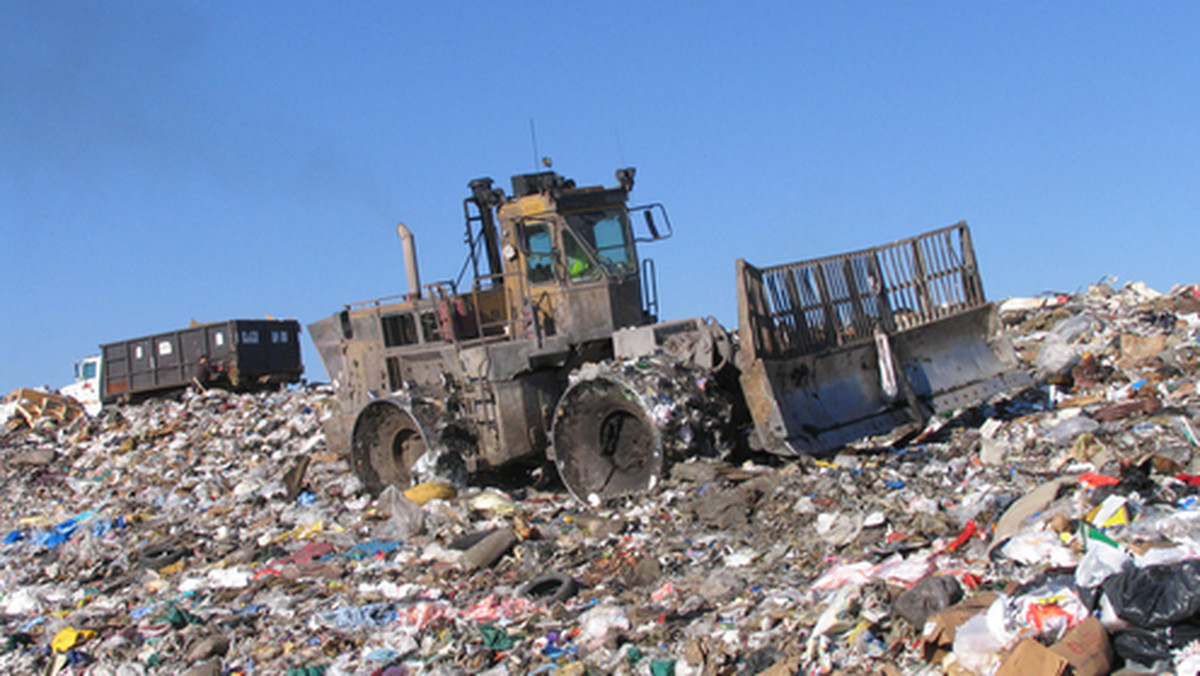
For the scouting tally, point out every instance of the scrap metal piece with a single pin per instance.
(293, 480)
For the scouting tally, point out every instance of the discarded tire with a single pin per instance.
(550, 588)
(160, 556)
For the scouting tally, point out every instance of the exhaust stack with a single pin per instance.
(410, 260)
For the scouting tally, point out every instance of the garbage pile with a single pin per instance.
(1056, 531)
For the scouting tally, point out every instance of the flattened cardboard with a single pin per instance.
(1027, 506)
(1031, 658)
(1086, 648)
(1083, 651)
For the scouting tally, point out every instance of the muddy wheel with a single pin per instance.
(620, 426)
(605, 442)
(387, 442)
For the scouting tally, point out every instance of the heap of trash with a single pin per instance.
(1057, 531)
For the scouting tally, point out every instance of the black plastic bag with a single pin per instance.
(932, 594)
(1154, 648)
(1156, 596)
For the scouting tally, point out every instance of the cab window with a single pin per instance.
(608, 234)
(579, 264)
(611, 243)
(539, 253)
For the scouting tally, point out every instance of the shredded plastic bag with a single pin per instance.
(976, 648)
(1187, 661)
(1046, 611)
(1099, 563)
(1039, 546)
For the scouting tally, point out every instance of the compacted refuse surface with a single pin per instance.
(1053, 531)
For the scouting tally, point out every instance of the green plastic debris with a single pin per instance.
(180, 618)
(496, 638)
(1092, 534)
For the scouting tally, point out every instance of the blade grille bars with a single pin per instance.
(810, 306)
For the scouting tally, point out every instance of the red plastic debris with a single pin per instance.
(969, 531)
(1093, 480)
(1045, 616)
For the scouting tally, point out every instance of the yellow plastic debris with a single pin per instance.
(69, 638)
(430, 490)
(1112, 512)
(303, 532)
(171, 569)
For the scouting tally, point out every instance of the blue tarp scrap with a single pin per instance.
(62, 532)
(369, 550)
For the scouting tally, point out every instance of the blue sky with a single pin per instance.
(164, 161)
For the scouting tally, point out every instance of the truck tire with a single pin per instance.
(619, 426)
(386, 443)
(401, 441)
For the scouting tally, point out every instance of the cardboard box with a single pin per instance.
(1083, 651)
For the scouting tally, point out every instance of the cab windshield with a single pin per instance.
(607, 234)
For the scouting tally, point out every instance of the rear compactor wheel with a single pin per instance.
(397, 441)
(619, 427)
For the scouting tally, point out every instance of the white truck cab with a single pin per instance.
(86, 388)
